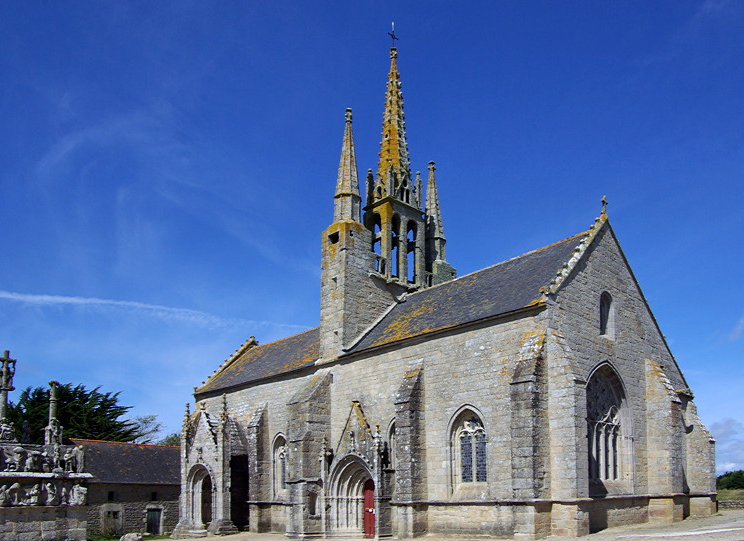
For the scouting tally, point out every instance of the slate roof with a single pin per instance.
(259, 362)
(500, 289)
(131, 463)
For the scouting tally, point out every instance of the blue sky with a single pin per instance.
(166, 169)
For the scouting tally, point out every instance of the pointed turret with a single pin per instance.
(347, 201)
(434, 225)
(436, 256)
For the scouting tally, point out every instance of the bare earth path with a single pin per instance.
(728, 525)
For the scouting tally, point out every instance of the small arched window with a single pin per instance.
(606, 316)
(389, 447)
(279, 459)
(468, 449)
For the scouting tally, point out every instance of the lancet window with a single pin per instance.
(468, 449)
(606, 316)
(279, 465)
(604, 402)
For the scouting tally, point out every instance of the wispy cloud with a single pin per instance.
(729, 435)
(194, 317)
(738, 330)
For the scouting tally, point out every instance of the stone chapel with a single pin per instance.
(531, 398)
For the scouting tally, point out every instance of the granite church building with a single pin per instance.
(534, 397)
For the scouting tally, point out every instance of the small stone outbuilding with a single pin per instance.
(134, 488)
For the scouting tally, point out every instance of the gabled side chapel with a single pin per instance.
(534, 397)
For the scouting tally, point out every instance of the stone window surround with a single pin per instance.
(610, 459)
(461, 423)
(279, 451)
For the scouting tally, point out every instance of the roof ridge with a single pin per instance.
(578, 253)
(248, 345)
(123, 442)
(410, 294)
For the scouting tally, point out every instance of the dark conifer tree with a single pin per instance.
(83, 413)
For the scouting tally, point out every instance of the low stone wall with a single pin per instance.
(731, 504)
(43, 523)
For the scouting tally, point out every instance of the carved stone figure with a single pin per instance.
(32, 495)
(51, 493)
(16, 494)
(79, 455)
(70, 460)
(4, 496)
(78, 495)
(33, 461)
(7, 431)
(64, 495)
(15, 458)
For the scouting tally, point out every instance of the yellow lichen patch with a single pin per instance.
(412, 373)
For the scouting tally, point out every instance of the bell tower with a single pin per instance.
(350, 299)
(369, 262)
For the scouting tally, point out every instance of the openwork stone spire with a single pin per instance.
(347, 199)
(394, 167)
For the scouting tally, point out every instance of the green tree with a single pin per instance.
(171, 439)
(731, 480)
(83, 413)
(148, 427)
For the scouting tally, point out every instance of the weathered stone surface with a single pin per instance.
(548, 404)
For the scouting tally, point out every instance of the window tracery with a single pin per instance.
(468, 445)
(604, 403)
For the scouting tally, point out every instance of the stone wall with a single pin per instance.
(131, 503)
(43, 523)
(525, 377)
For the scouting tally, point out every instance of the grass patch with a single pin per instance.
(730, 494)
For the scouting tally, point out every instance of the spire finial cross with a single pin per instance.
(604, 204)
(392, 34)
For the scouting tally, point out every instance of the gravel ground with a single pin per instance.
(728, 525)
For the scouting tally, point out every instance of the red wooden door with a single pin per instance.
(369, 509)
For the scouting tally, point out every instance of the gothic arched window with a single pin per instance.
(468, 449)
(279, 462)
(606, 316)
(604, 407)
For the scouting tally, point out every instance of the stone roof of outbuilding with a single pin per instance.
(114, 462)
(503, 288)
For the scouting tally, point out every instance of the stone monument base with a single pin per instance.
(45, 523)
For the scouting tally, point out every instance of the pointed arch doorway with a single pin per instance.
(353, 509)
(201, 489)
